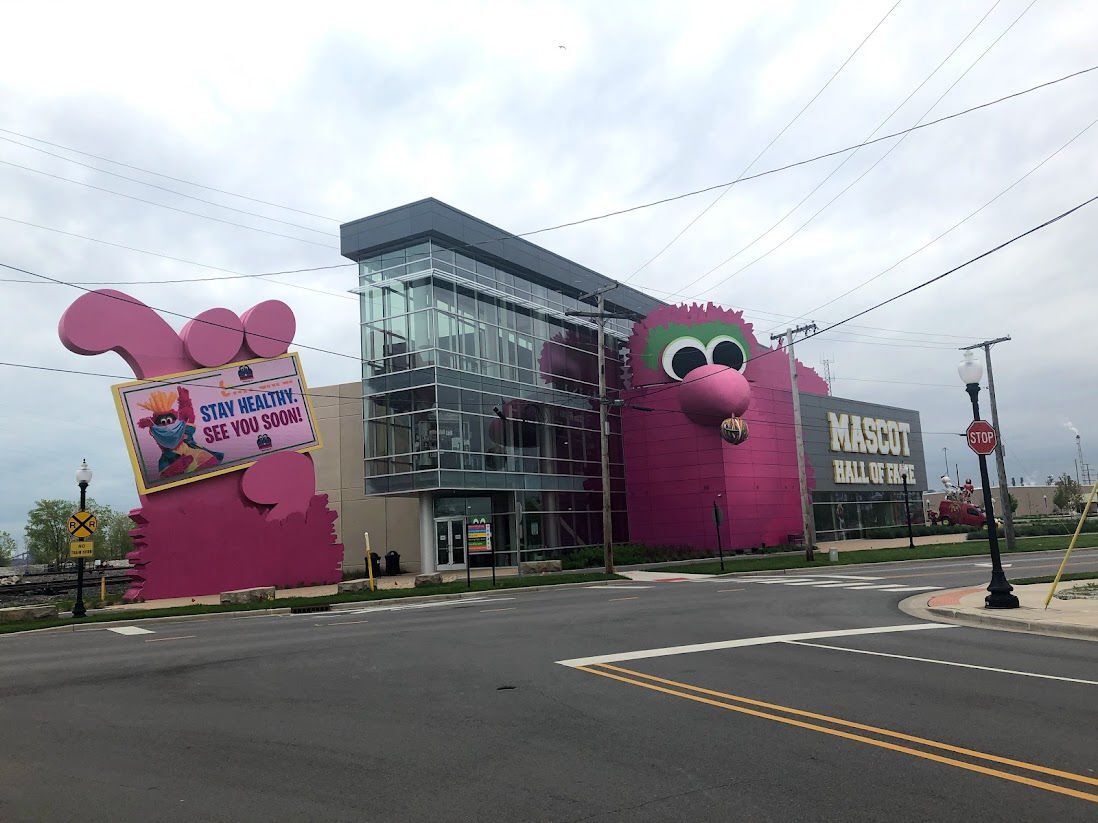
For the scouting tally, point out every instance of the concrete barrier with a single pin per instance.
(39, 612)
(539, 566)
(357, 585)
(248, 595)
(428, 580)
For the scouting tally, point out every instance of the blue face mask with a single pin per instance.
(168, 437)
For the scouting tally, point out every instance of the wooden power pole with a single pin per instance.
(798, 433)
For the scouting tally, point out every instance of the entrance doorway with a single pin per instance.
(450, 543)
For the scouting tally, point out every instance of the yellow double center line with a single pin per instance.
(742, 705)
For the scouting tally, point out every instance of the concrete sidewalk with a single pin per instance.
(399, 581)
(1076, 618)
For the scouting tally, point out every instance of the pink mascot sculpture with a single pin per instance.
(719, 431)
(261, 526)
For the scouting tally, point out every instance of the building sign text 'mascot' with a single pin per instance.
(855, 434)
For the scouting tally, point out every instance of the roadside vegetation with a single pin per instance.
(796, 561)
(456, 587)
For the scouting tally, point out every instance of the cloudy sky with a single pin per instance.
(532, 114)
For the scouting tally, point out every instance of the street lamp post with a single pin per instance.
(83, 478)
(999, 590)
(907, 510)
(717, 523)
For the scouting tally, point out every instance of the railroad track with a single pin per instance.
(60, 583)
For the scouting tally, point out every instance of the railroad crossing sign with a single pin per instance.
(81, 548)
(82, 524)
(981, 437)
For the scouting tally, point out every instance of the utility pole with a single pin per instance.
(1000, 453)
(827, 373)
(601, 316)
(945, 457)
(802, 477)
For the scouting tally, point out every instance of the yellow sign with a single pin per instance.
(82, 524)
(80, 548)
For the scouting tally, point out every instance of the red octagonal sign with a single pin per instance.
(981, 437)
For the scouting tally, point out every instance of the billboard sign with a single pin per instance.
(186, 427)
(478, 537)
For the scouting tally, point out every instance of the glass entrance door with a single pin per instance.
(450, 543)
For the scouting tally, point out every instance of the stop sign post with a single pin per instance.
(981, 437)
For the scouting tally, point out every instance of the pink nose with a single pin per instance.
(711, 393)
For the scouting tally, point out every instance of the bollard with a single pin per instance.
(833, 555)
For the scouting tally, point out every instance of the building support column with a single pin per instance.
(427, 533)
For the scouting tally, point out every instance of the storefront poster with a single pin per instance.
(186, 427)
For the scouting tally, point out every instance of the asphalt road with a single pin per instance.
(461, 711)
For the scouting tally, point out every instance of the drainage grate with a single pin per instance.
(308, 609)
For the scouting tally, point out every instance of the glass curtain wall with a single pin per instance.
(476, 380)
(853, 515)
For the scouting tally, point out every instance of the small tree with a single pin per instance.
(8, 548)
(45, 534)
(114, 530)
(1068, 493)
(1013, 502)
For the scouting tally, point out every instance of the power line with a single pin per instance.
(170, 191)
(765, 148)
(125, 299)
(849, 156)
(958, 223)
(861, 176)
(166, 176)
(919, 286)
(804, 162)
(507, 236)
(163, 205)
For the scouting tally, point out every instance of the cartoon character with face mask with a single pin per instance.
(173, 431)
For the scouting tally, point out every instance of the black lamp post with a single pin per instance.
(717, 523)
(999, 590)
(83, 478)
(907, 510)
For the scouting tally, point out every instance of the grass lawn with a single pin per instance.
(455, 587)
(1048, 578)
(740, 563)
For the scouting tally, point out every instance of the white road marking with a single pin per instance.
(872, 586)
(784, 580)
(504, 609)
(945, 662)
(616, 599)
(807, 582)
(341, 623)
(842, 584)
(410, 606)
(177, 637)
(915, 588)
(988, 565)
(130, 630)
(617, 587)
(669, 651)
(850, 577)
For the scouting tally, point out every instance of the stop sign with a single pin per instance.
(981, 437)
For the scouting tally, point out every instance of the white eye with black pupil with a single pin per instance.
(683, 355)
(726, 351)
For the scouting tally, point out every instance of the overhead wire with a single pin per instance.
(170, 191)
(850, 156)
(867, 171)
(765, 148)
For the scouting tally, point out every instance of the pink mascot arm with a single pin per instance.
(145, 423)
(186, 410)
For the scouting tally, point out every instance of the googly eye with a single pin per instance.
(683, 355)
(726, 351)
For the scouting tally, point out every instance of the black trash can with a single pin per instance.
(392, 563)
(375, 563)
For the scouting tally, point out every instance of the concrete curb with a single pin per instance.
(284, 610)
(917, 606)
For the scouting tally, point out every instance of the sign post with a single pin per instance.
(369, 561)
(717, 523)
(478, 540)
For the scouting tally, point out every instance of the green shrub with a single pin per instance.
(1040, 528)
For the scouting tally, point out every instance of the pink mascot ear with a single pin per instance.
(214, 337)
(108, 320)
(285, 480)
(269, 328)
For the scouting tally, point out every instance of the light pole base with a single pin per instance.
(1000, 593)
